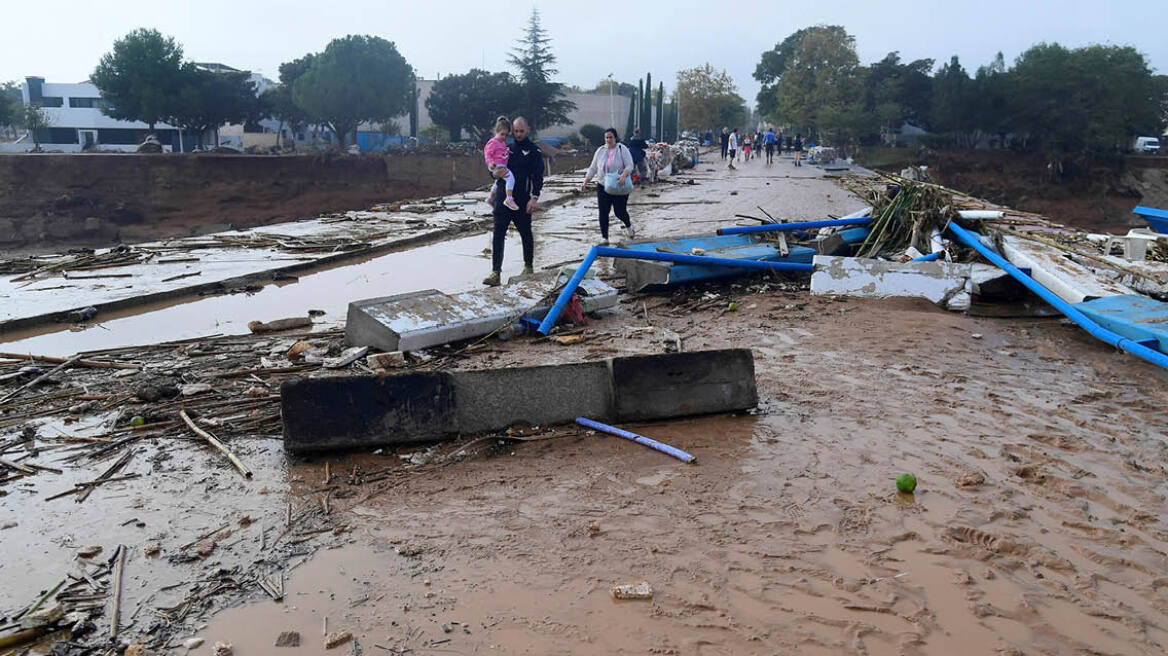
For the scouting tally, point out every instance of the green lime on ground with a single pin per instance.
(138, 420)
(906, 482)
(732, 306)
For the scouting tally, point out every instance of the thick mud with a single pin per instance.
(1036, 527)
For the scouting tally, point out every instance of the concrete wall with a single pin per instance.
(47, 199)
(341, 412)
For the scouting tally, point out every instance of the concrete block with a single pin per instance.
(540, 396)
(419, 320)
(1070, 281)
(344, 412)
(366, 411)
(682, 384)
(871, 278)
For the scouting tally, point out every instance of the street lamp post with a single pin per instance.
(611, 110)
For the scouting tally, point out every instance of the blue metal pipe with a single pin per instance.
(639, 439)
(795, 225)
(972, 240)
(928, 258)
(701, 260)
(549, 320)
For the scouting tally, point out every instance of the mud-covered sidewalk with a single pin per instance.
(1036, 526)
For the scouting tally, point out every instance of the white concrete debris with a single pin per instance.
(947, 284)
(1070, 281)
(419, 320)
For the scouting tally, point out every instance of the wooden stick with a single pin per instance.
(105, 476)
(215, 443)
(97, 275)
(119, 569)
(92, 364)
(38, 379)
(181, 276)
(18, 467)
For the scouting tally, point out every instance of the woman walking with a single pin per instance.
(797, 146)
(614, 164)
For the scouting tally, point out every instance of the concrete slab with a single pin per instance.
(653, 387)
(352, 411)
(870, 278)
(419, 320)
(365, 411)
(540, 396)
(1070, 281)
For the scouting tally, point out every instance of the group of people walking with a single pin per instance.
(518, 171)
(743, 147)
(518, 167)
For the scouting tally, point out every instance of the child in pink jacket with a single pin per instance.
(496, 153)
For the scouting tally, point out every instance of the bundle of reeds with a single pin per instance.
(904, 214)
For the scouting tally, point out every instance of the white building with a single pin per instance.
(75, 121)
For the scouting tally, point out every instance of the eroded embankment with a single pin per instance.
(96, 200)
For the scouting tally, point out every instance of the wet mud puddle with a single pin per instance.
(452, 266)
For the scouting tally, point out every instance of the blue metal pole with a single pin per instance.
(794, 225)
(549, 319)
(928, 258)
(971, 239)
(639, 439)
(701, 260)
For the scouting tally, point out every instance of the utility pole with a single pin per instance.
(611, 109)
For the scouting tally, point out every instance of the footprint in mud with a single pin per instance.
(985, 540)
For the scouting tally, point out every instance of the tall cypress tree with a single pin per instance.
(639, 101)
(660, 110)
(632, 117)
(544, 103)
(647, 108)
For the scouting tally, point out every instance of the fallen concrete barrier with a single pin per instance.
(652, 387)
(365, 411)
(419, 320)
(342, 412)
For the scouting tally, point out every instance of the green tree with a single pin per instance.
(355, 79)
(647, 108)
(1091, 99)
(822, 85)
(669, 127)
(10, 104)
(632, 122)
(36, 122)
(895, 92)
(544, 103)
(208, 99)
(954, 105)
(640, 102)
(140, 77)
(473, 101)
(414, 111)
(710, 99)
(618, 88)
(993, 108)
(773, 65)
(278, 103)
(660, 110)
(593, 135)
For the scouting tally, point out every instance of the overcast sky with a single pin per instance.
(63, 41)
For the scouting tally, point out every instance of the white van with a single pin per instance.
(1147, 145)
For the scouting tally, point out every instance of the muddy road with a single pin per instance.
(1037, 526)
